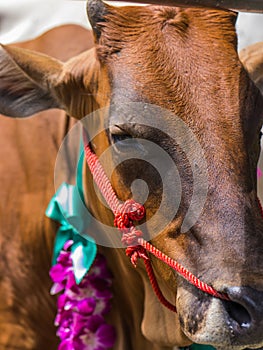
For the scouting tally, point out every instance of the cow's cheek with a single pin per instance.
(157, 317)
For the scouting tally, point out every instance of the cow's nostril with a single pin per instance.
(238, 313)
(244, 315)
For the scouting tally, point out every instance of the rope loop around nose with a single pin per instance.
(137, 247)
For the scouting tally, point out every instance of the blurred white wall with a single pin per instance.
(249, 28)
(26, 19)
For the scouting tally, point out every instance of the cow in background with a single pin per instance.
(28, 153)
(252, 58)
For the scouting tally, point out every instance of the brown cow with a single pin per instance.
(184, 61)
(27, 311)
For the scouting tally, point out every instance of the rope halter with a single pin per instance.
(137, 247)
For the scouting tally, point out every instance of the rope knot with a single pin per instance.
(135, 211)
(135, 253)
(130, 237)
(122, 221)
(127, 213)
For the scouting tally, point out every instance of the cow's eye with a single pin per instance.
(126, 143)
(120, 137)
(118, 134)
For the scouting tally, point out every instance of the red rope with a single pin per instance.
(182, 270)
(131, 211)
(101, 179)
(156, 288)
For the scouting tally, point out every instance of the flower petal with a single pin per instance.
(58, 273)
(86, 306)
(56, 288)
(66, 345)
(106, 335)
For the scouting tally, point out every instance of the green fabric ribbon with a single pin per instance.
(68, 209)
(199, 347)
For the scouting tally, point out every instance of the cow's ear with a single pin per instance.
(31, 82)
(252, 59)
(25, 81)
(97, 10)
(83, 85)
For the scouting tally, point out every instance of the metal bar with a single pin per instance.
(236, 5)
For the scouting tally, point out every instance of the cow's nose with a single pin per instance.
(245, 312)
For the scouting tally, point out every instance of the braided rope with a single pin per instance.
(101, 179)
(137, 247)
(156, 288)
(182, 270)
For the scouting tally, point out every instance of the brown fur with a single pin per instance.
(27, 310)
(184, 60)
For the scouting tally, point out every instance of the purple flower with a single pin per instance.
(102, 339)
(65, 329)
(62, 271)
(81, 307)
(103, 307)
(66, 344)
(97, 335)
(106, 335)
(100, 268)
(101, 288)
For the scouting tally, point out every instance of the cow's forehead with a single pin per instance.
(127, 24)
(144, 37)
(183, 60)
(156, 47)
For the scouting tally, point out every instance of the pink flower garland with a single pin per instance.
(82, 307)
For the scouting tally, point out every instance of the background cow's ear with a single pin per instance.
(252, 59)
(96, 10)
(25, 78)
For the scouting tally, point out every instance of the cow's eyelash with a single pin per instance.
(120, 137)
(118, 133)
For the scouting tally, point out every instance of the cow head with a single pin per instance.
(184, 62)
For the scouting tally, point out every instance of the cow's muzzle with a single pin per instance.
(245, 314)
(227, 325)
